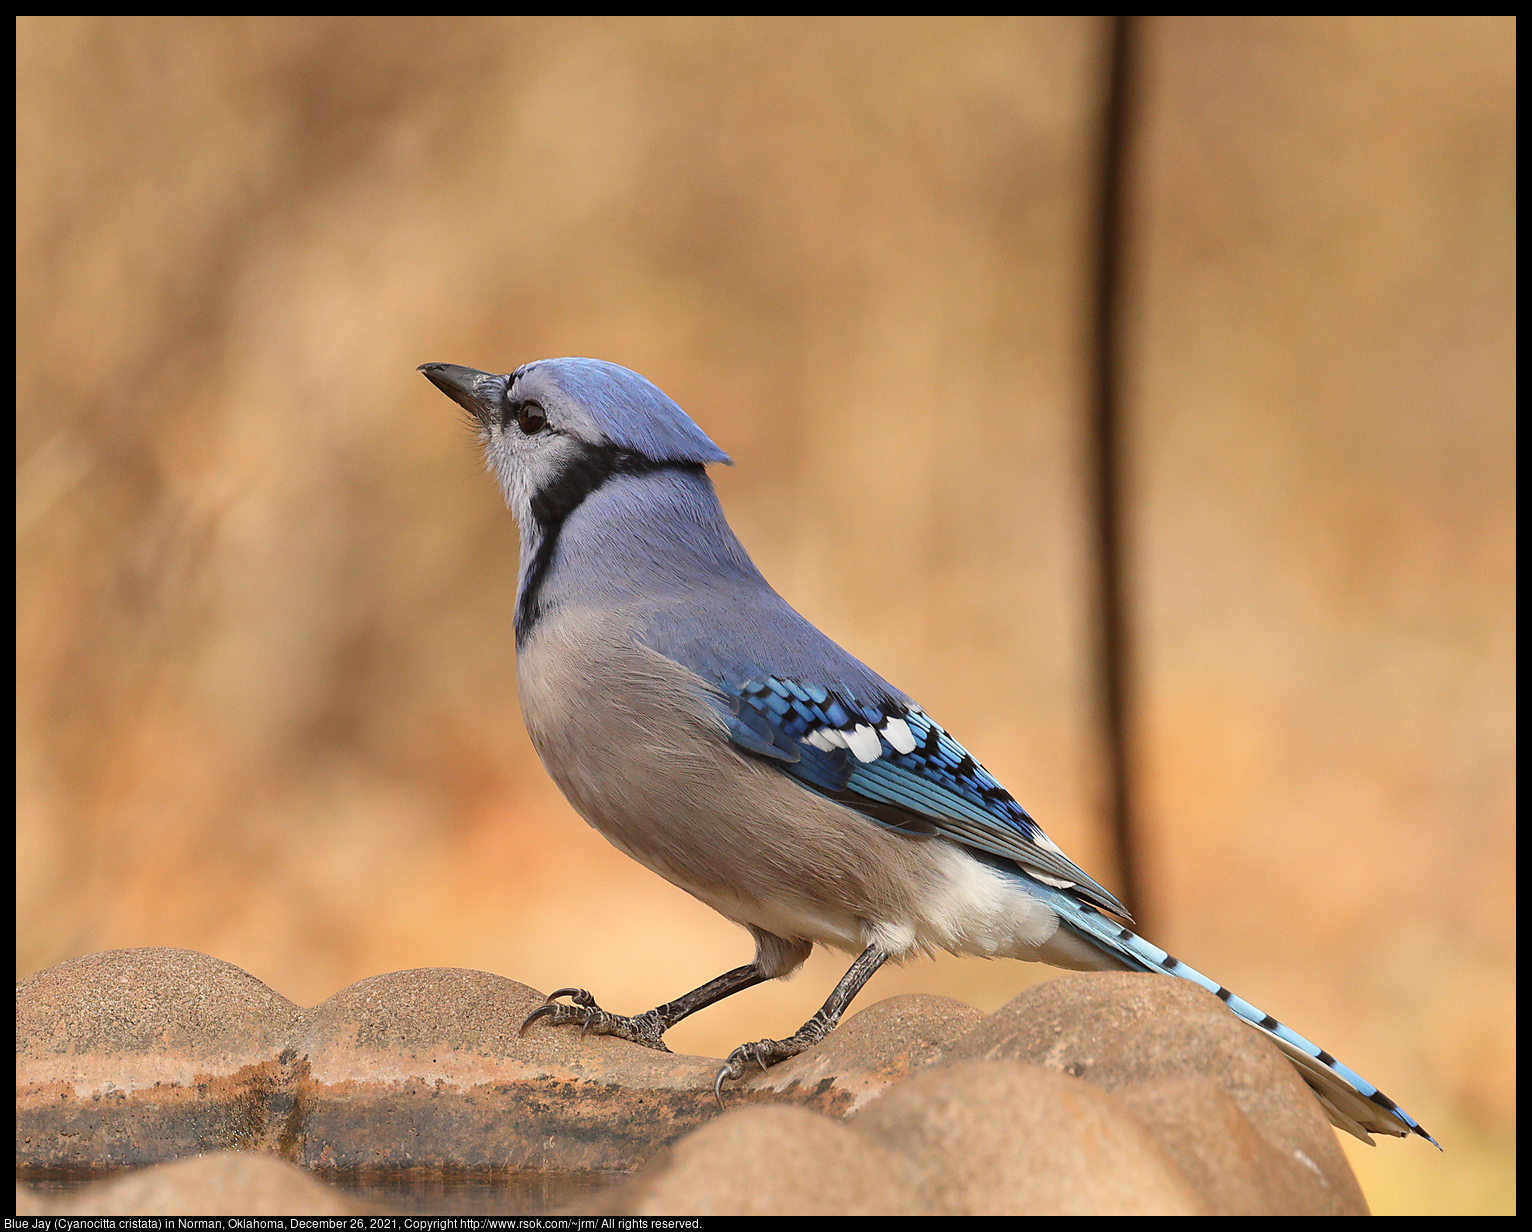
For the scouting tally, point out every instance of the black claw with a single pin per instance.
(718, 1084)
(548, 1008)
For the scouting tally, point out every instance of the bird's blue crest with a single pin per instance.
(631, 410)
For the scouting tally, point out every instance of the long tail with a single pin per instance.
(1353, 1103)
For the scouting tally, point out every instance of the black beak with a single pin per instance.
(478, 393)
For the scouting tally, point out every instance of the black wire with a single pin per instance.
(1112, 587)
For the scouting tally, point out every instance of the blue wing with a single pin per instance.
(889, 761)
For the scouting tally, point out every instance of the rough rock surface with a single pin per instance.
(1227, 1105)
(1100, 1094)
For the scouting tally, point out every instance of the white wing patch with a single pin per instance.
(863, 741)
(897, 732)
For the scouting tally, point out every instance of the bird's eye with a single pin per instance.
(530, 417)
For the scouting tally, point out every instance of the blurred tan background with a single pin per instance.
(266, 687)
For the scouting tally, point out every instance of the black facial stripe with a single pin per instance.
(588, 470)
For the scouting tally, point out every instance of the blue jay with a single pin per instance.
(712, 733)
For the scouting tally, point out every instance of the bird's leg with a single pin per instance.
(769, 1052)
(647, 1029)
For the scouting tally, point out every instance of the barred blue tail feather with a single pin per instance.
(1353, 1103)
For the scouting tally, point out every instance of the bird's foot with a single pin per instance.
(766, 1053)
(646, 1029)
